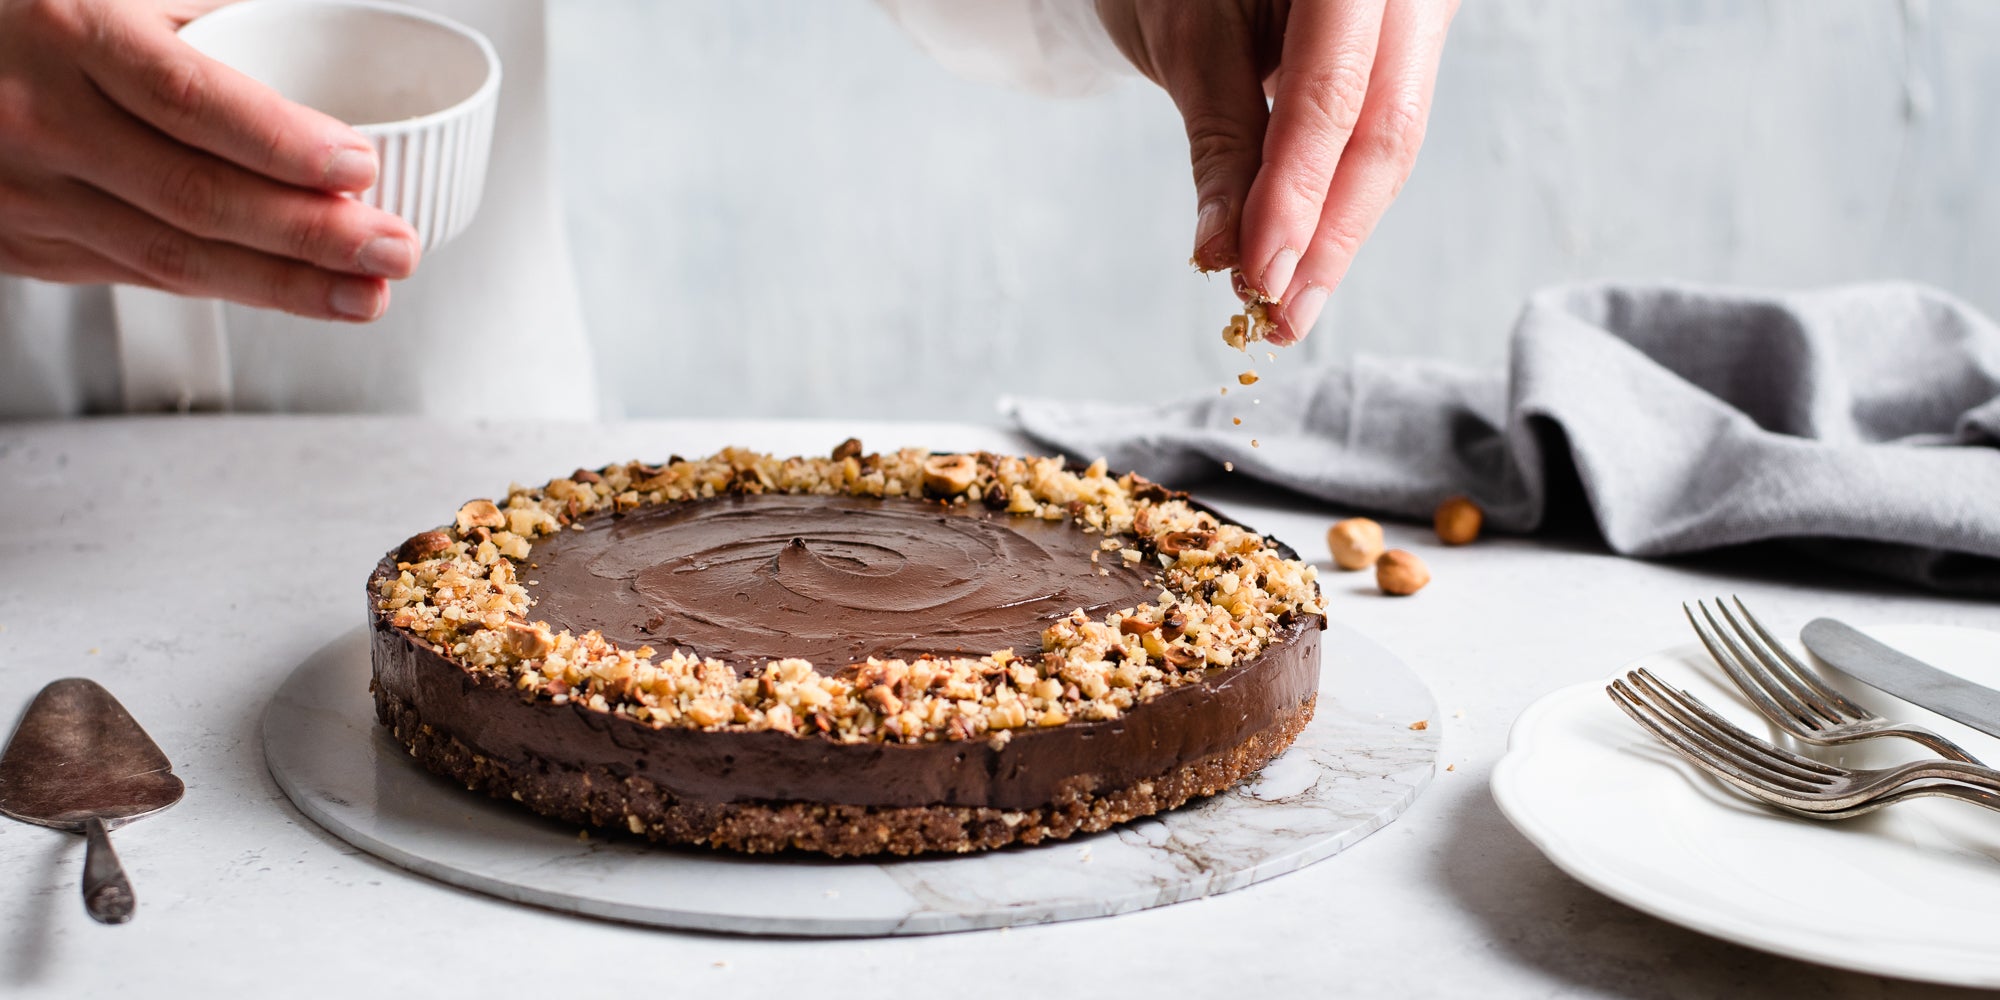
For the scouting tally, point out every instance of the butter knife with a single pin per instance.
(1877, 665)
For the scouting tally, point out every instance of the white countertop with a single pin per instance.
(189, 564)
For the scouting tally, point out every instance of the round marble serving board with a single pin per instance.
(1355, 768)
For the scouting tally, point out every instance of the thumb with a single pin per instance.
(1221, 101)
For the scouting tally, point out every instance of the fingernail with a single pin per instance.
(387, 257)
(1303, 310)
(1207, 229)
(1277, 274)
(351, 170)
(357, 299)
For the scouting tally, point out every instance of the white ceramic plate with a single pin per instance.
(1911, 891)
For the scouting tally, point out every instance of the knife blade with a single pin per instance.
(78, 761)
(1878, 665)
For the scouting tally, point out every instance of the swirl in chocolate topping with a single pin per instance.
(834, 580)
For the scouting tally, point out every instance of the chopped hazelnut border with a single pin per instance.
(1226, 591)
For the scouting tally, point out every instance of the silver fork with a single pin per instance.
(1791, 694)
(1797, 784)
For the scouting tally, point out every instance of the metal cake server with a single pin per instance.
(79, 762)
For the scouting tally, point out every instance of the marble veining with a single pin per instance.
(1353, 770)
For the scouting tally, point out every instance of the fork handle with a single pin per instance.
(1963, 793)
(1938, 744)
(1972, 774)
(107, 893)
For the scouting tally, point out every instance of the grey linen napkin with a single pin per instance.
(1858, 423)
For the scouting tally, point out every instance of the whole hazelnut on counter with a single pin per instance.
(1356, 543)
(1400, 573)
(1457, 521)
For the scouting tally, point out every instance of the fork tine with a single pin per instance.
(1677, 737)
(1806, 675)
(1745, 761)
(1779, 674)
(1767, 697)
(1757, 751)
(1787, 796)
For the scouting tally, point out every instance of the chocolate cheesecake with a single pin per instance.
(852, 655)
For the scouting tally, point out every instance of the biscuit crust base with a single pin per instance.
(597, 798)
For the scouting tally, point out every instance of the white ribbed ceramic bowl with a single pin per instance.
(423, 88)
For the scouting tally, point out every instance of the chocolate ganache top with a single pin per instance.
(835, 580)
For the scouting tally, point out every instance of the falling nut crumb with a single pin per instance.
(1457, 521)
(1254, 444)
(1225, 390)
(1229, 466)
(1248, 378)
(1451, 767)
(1355, 543)
(1400, 573)
(1270, 355)
(1238, 421)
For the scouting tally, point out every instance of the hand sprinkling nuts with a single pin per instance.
(1356, 543)
(1400, 573)
(1457, 521)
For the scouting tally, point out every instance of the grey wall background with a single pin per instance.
(782, 208)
